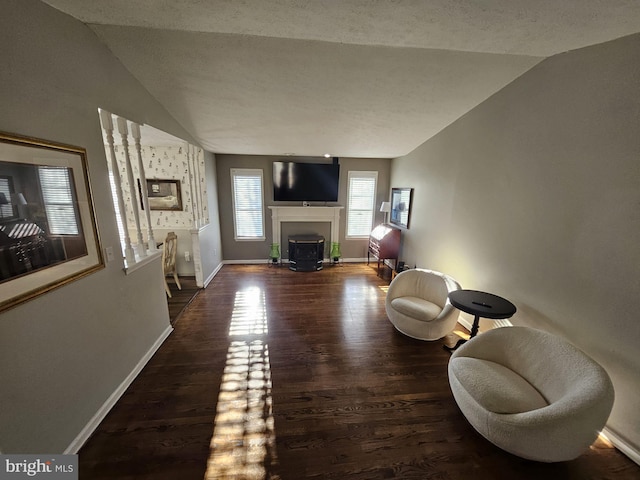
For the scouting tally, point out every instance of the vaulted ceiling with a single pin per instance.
(358, 78)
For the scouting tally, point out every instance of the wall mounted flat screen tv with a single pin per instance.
(305, 182)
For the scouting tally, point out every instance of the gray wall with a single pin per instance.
(350, 248)
(535, 195)
(64, 353)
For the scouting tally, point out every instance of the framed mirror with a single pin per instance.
(164, 195)
(401, 206)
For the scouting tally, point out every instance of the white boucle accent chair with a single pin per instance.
(531, 393)
(417, 304)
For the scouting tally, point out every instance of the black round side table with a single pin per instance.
(481, 305)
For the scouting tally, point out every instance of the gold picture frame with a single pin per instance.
(48, 232)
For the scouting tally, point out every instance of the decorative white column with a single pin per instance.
(107, 125)
(197, 152)
(194, 214)
(197, 256)
(205, 203)
(135, 133)
(124, 133)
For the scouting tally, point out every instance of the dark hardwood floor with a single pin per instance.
(274, 374)
(180, 299)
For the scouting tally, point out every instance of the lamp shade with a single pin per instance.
(385, 207)
(3, 199)
(19, 199)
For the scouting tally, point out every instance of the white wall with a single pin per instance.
(535, 195)
(210, 238)
(166, 163)
(64, 353)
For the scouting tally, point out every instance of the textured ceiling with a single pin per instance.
(357, 78)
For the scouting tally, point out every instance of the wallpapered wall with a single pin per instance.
(166, 163)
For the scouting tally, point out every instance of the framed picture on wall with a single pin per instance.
(164, 194)
(48, 234)
(401, 206)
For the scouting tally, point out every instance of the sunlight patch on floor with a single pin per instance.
(604, 439)
(461, 334)
(243, 442)
(249, 315)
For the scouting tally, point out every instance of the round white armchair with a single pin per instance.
(531, 393)
(417, 304)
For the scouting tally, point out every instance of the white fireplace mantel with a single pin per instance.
(305, 214)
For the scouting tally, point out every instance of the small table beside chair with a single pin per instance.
(480, 304)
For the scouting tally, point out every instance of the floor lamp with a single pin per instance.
(385, 208)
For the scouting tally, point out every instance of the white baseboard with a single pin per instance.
(213, 274)
(245, 262)
(622, 445)
(466, 321)
(90, 427)
(284, 261)
(328, 261)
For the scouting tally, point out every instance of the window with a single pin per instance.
(6, 195)
(361, 203)
(248, 218)
(57, 193)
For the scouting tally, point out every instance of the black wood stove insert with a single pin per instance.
(306, 253)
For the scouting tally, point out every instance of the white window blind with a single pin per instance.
(57, 194)
(361, 203)
(248, 217)
(6, 209)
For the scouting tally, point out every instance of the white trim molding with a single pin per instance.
(305, 214)
(197, 255)
(102, 412)
(150, 258)
(621, 445)
(213, 274)
(466, 320)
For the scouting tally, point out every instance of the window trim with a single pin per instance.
(360, 174)
(247, 172)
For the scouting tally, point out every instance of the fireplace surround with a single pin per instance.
(305, 214)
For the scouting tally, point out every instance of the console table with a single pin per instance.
(384, 244)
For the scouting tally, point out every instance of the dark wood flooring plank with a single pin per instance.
(273, 374)
(180, 299)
